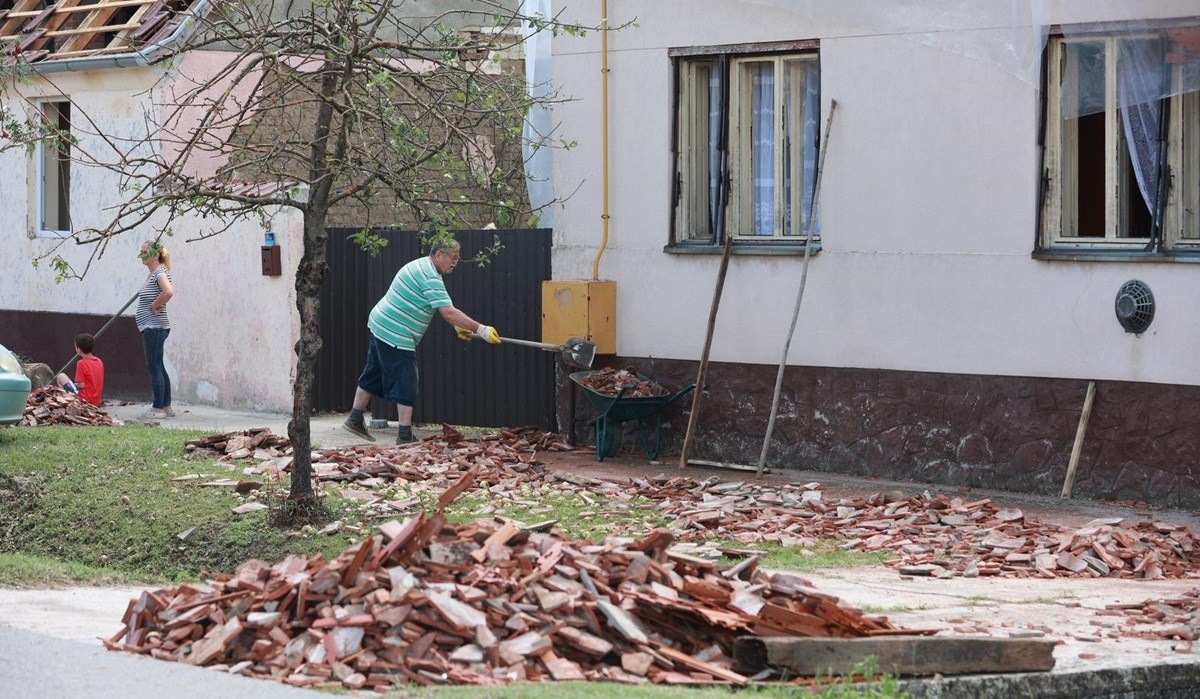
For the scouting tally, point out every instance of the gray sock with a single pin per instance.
(356, 415)
(404, 434)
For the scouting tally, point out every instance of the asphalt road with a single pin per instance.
(37, 666)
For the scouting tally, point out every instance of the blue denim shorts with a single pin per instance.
(390, 373)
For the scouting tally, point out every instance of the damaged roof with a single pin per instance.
(42, 31)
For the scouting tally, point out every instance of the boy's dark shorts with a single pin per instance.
(390, 373)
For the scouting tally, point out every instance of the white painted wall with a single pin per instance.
(929, 211)
(232, 328)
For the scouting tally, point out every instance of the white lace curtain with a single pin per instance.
(762, 109)
(1141, 77)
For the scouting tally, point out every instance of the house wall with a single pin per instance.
(929, 203)
(232, 328)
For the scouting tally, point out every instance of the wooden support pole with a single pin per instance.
(1078, 447)
(808, 240)
(703, 372)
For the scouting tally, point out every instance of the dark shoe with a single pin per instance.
(404, 435)
(358, 428)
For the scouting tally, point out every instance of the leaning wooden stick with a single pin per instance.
(787, 344)
(1078, 447)
(703, 372)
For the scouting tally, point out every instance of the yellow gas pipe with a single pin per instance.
(603, 137)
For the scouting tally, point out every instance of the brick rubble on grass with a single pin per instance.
(487, 602)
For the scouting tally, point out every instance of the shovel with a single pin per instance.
(575, 351)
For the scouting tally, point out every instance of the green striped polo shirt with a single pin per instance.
(403, 314)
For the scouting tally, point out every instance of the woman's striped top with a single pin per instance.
(146, 295)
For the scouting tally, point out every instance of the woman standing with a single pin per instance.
(153, 324)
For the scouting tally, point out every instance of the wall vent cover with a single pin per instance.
(1135, 306)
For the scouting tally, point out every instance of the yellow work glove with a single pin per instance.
(488, 333)
(483, 332)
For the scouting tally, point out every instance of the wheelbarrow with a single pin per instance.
(616, 410)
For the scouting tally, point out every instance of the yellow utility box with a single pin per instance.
(583, 308)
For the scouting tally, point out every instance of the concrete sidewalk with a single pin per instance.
(326, 430)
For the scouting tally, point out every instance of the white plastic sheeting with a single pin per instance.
(539, 123)
(1011, 35)
(1153, 61)
(1008, 34)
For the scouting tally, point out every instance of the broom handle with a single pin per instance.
(101, 330)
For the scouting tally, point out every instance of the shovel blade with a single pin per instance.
(579, 353)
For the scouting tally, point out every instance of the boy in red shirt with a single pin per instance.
(89, 372)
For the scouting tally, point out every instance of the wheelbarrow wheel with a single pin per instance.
(607, 444)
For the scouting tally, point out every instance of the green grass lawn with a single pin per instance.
(99, 504)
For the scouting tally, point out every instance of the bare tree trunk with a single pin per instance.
(309, 277)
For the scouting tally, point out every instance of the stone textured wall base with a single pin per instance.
(1176, 681)
(1004, 432)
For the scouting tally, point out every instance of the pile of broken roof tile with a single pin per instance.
(429, 602)
(258, 443)
(625, 382)
(51, 405)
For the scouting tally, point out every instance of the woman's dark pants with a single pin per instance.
(153, 340)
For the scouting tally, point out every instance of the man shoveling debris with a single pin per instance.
(397, 324)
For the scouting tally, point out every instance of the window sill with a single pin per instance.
(788, 250)
(1170, 256)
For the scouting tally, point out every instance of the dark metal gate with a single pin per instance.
(461, 383)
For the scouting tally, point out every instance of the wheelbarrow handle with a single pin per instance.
(682, 392)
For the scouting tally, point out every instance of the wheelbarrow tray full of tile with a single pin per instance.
(615, 410)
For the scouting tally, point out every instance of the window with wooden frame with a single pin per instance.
(53, 171)
(1122, 141)
(746, 135)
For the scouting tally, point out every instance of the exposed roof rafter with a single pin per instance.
(83, 28)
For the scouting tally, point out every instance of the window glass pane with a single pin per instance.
(1084, 136)
(699, 123)
(761, 83)
(1189, 195)
(715, 90)
(55, 169)
(1083, 79)
(802, 110)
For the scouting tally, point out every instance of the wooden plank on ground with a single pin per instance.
(898, 656)
(702, 666)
